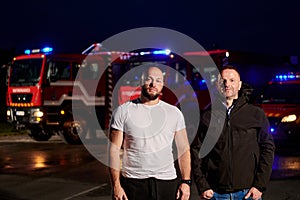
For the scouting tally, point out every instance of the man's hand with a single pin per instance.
(116, 138)
(254, 193)
(119, 193)
(207, 194)
(183, 192)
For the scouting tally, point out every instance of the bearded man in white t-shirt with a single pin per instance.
(146, 128)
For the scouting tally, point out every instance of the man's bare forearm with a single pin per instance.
(114, 156)
(114, 177)
(184, 162)
(184, 156)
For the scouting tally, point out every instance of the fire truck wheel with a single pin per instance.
(73, 131)
(39, 133)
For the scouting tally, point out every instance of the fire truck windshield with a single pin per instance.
(25, 72)
(281, 93)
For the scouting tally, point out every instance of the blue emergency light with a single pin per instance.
(164, 52)
(272, 130)
(156, 52)
(43, 50)
(289, 76)
(27, 51)
(47, 49)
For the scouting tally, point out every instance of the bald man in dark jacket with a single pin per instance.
(240, 163)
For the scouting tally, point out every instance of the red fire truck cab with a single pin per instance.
(39, 94)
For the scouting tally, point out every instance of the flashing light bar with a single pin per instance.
(285, 76)
(43, 50)
(288, 76)
(123, 55)
(165, 52)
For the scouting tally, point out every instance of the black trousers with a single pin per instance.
(149, 189)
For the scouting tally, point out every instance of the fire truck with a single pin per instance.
(39, 94)
(280, 100)
(44, 88)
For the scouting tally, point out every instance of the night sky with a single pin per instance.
(270, 27)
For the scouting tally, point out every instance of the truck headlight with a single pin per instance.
(8, 113)
(38, 114)
(289, 118)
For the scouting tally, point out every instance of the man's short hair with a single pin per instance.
(229, 67)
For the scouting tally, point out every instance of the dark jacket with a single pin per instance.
(243, 154)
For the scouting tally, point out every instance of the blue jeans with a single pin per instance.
(231, 196)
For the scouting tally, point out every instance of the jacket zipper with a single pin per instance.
(229, 150)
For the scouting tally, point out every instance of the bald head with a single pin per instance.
(230, 83)
(153, 72)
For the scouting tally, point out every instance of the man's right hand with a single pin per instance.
(119, 193)
(207, 194)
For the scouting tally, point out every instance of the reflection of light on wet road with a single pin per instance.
(286, 163)
(7, 163)
(285, 167)
(39, 160)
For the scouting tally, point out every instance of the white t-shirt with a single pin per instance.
(148, 138)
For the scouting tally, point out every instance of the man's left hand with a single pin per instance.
(254, 193)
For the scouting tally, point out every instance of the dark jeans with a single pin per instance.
(149, 189)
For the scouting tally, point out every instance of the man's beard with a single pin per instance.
(149, 96)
